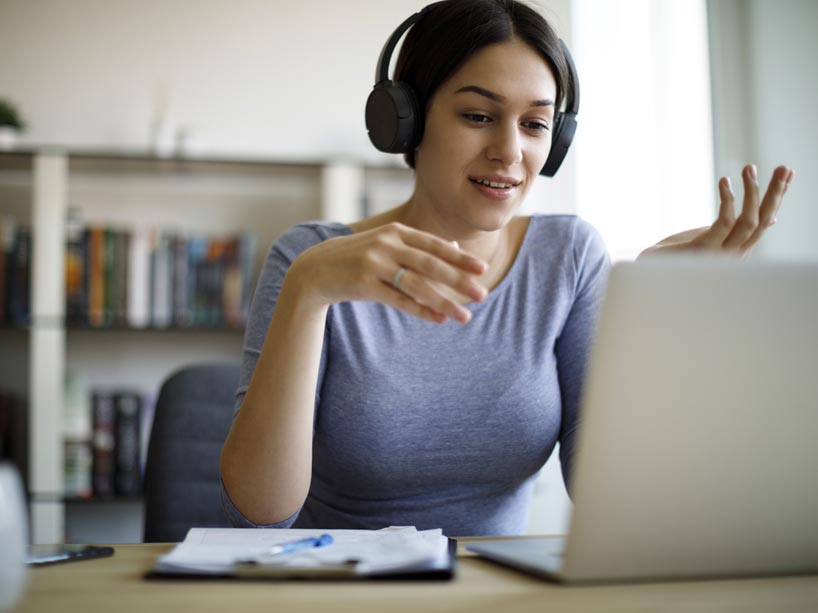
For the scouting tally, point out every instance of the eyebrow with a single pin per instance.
(497, 97)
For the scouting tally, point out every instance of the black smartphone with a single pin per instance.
(42, 555)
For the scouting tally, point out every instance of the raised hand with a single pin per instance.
(367, 266)
(731, 234)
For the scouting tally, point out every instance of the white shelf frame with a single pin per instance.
(47, 355)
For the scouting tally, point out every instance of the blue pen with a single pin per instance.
(295, 546)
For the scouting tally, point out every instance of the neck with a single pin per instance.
(488, 245)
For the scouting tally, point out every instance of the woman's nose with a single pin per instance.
(505, 146)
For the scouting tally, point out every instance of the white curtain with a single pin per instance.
(644, 146)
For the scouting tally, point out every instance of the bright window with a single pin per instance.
(644, 146)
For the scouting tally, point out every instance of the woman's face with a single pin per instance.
(487, 136)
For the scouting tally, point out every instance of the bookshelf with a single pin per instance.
(43, 188)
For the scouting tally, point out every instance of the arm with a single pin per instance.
(266, 462)
(270, 441)
(591, 267)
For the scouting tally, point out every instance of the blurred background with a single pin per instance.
(184, 136)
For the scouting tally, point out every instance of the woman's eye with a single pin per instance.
(537, 126)
(476, 117)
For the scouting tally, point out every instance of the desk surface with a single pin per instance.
(116, 584)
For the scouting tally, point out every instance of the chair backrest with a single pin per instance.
(193, 416)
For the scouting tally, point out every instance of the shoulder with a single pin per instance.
(311, 233)
(302, 236)
(568, 248)
(566, 234)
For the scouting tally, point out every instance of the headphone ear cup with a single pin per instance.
(565, 125)
(393, 119)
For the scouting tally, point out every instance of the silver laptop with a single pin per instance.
(697, 453)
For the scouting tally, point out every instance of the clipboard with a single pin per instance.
(442, 568)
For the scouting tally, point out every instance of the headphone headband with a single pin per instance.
(382, 69)
(572, 95)
(394, 120)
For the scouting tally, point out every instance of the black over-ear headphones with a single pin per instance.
(394, 119)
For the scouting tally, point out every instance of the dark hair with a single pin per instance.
(450, 32)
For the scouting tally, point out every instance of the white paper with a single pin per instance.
(217, 550)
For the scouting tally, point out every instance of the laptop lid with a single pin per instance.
(698, 444)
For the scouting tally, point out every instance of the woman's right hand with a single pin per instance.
(362, 266)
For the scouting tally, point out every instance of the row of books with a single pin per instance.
(139, 277)
(106, 462)
(150, 277)
(15, 263)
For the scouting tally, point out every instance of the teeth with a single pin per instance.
(495, 185)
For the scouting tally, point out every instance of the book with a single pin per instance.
(123, 265)
(83, 317)
(139, 278)
(17, 279)
(161, 280)
(76, 308)
(111, 280)
(181, 309)
(215, 278)
(96, 275)
(196, 250)
(127, 443)
(7, 232)
(103, 416)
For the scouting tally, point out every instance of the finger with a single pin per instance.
(445, 250)
(415, 287)
(389, 296)
(716, 234)
(774, 196)
(713, 236)
(436, 269)
(790, 177)
(747, 222)
(770, 205)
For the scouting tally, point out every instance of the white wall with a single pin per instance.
(260, 77)
(765, 88)
(251, 77)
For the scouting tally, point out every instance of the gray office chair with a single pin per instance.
(192, 419)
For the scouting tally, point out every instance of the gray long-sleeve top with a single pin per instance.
(443, 426)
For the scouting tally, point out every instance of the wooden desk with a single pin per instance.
(116, 584)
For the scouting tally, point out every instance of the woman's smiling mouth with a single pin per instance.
(495, 187)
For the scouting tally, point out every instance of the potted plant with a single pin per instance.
(11, 124)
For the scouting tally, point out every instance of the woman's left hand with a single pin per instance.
(731, 234)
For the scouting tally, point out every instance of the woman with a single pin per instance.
(418, 367)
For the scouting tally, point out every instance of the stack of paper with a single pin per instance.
(242, 552)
